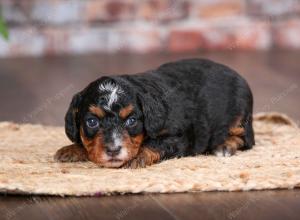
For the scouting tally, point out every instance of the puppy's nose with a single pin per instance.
(113, 151)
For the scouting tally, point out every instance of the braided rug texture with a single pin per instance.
(27, 165)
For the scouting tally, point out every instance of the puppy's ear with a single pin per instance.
(72, 120)
(155, 113)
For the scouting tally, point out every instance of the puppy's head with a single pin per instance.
(111, 121)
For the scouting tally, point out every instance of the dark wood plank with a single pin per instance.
(39, 90)
(278, 204)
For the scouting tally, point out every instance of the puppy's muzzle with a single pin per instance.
(113, 150)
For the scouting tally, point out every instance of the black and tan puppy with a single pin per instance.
(182, 108)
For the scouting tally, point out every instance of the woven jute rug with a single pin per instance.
(27, 165)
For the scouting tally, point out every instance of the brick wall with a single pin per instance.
(42, 27)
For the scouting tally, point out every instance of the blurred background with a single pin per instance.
(54, 48)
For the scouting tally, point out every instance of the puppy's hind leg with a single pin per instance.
(234, 140)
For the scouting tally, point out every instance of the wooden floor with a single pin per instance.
(38, 90)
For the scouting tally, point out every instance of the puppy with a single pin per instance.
(183, 108)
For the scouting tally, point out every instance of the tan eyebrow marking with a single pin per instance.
(124, 112)
(97, 111)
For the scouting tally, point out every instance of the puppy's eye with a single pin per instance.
(130, 122)
(92, 122)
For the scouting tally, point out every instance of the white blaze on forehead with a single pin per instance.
(114, 91)
(113, 97)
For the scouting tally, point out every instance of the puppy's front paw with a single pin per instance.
(135, 163)
(145, 158)
(71, 153)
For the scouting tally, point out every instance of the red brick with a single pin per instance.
(162, 10)
(185, 40)
(109, 10)
(218, 8)
(287, 34)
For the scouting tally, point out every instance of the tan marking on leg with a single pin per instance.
(97, 111)
(237, 128)
(124, 112)
(237, 131)
(237, 140)
(71, 153)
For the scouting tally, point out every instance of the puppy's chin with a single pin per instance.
(107, 162)
(112, 163)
